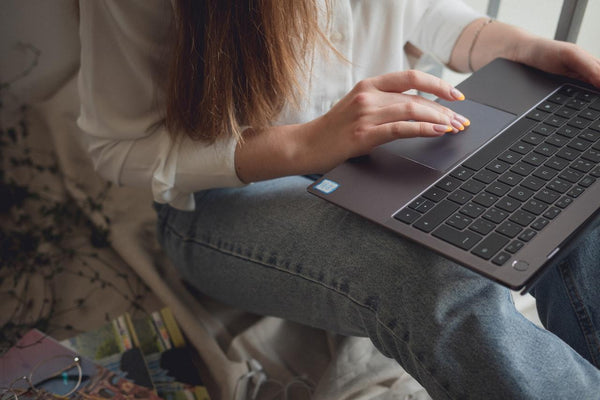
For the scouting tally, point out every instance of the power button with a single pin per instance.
(520, 265)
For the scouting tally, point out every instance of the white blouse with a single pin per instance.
(123, 47)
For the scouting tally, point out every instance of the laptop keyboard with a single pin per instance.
(500, 198)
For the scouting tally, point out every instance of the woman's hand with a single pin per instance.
(481, 42)
(377, 111)
(374, 112)
(561, 58)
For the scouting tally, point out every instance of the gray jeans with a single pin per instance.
(273, 249)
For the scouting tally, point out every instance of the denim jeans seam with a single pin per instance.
(314, 281)
(585, 321)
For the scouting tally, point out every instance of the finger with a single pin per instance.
(391, 98)
(402, 81)
(405, 129)
(584, 65)
(417, 111)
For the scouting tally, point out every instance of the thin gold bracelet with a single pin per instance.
(469, 57)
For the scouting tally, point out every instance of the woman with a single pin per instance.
(197, 99)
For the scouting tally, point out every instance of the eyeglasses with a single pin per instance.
(59, 375)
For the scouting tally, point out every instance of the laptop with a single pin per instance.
(507, 197)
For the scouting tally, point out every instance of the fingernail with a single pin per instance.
(442, 128)
(457, 94)
(458, 125)
(463, 120)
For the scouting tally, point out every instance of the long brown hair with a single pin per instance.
(236, 62)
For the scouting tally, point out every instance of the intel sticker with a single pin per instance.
(326, 186)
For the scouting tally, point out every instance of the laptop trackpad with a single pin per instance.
(441, 153)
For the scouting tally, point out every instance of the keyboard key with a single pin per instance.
(577, 104)
(587, 181)
(407, 215)
(579, 122)
(582, 165)
(485, 199)
(537, 115)
(482, 226)
(459, 221)
(592, 155)
(547, 196)
(508, 204)
(416, 203)
(557, 140)
(555, 120)
(557, 163)
(495, 215)
(520, 193)
(546, 149)
(527, 235)
(498, 189)
(590, 135)
(473, 186)
(595, 172)
(568, 131)
(535, 207)
(533, 138)
(510, 178)
(522, 148)
(568, 153)
(540, 224)
(575, 192)
(544, 130)
(510, 157)
(566, 112)
(514, 246)
(552, 213)
(472, 210)
(548, 107)
(497, 166)
(545, 173)
(509, 229)
(571, 175)
(449, 183)
(425, 206)
(485, 176)
(501, 259)
(579, 144)
(435, 194)
(559, 185)
(533, 183)
(559, 98)
(564, 202)
(587, 96)
(460, 196)
(534, 159)
(436, 216)
(522, 218)
(463, 239)
(462, 173)
(522, 168)
(490, 246)
(590, 114)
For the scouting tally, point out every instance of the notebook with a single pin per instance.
(507, 197)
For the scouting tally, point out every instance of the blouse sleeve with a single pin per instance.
(123, 45)
(440, 26)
